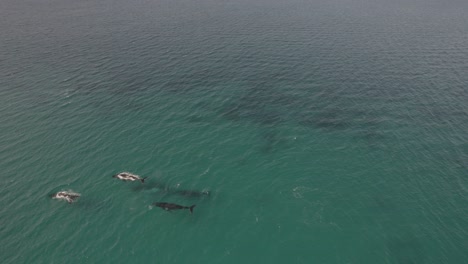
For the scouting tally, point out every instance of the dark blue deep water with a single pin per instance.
(324, 131)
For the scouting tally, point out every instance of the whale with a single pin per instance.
(172, 206)
(127, 176)
(163, 187)
(191, 193)
(70, 197)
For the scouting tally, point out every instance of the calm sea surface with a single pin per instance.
(324, 131)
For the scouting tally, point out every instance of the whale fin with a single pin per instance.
(191, 208)
(143, 179)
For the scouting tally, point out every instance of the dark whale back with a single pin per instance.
(172, 206)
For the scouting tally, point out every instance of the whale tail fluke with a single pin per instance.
(191, 208)
(143, 179)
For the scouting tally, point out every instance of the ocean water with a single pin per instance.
(324, 131)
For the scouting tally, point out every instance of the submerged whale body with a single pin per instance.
(70, 197)
(127, 176)
(191, 193)
(171, 206)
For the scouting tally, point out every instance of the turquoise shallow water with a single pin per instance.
(325, 132)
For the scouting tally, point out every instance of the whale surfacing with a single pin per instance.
(127, 176)
(70, 197)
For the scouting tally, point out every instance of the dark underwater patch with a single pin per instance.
(271, 141)
(163, 188)
(260, 104)
(241, 112)
(328, 120)
(405, 249)
(190, 193)
(149, 185)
